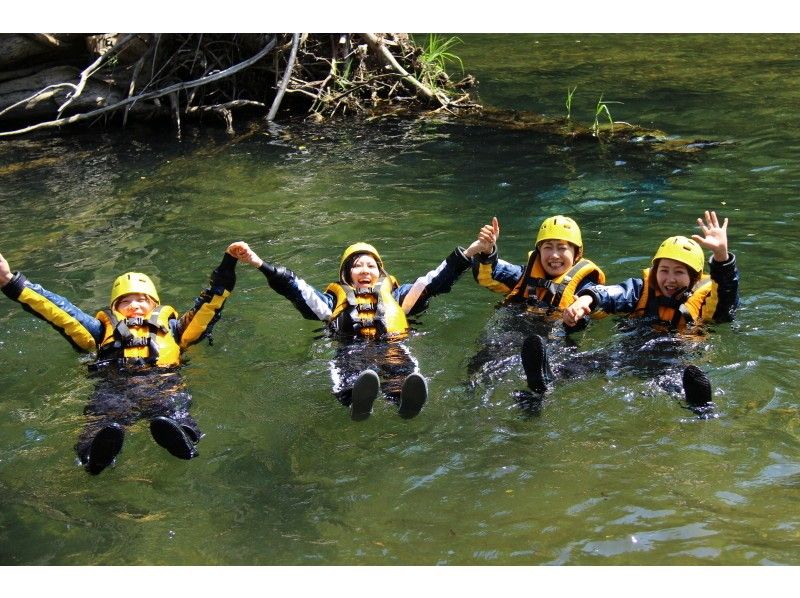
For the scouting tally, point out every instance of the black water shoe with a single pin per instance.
(535, 363)
(365, 391)
(173, 437)
(105, 446)
(412, 396)
(697, 390)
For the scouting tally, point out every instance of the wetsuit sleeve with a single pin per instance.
(197, 323)
(615, 298)
(311, 303)
(81, 330)
(414, 298)
(495, 274)
(726, 277)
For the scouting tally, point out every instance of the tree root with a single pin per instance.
(324, 75)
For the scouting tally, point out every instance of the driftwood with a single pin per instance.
(36, 98)
(373, 75)
(286, 78)
(378, 46)
(172, 89)
(18, 48)
(187, 75)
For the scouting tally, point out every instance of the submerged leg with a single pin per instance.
(108, 412)
(536, 364)
(165, 401)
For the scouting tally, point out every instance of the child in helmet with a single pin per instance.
(675, 294)
(366, 304)
(548, 283)
(138, 344)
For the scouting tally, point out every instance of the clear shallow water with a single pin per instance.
(612, 472)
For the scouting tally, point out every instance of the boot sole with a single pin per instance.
(413, 396)
(106, 445)
(365, 391)
(169, 435)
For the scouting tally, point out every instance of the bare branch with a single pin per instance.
(36, 95)
(92, 68)
(377, 45)
(147, 96)
(286, 76)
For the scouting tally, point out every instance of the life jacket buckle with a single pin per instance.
(141, 341)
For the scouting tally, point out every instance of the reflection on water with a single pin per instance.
(610, 471)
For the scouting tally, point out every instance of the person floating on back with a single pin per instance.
(138, 344)
(675, 295)
(556, 270)
(366, 308)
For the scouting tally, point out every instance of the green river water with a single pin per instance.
(612, 472)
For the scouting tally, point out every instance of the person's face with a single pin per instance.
(557, 256)
(135, 305)
(671, 276)
(364, 271)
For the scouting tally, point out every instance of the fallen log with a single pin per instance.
(19, 48)
(40, 95)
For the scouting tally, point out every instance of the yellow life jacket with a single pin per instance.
(552, 293)
(368, 312)
(677, 312)
(139, 341)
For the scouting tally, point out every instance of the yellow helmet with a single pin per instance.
(355, 249)
(684, 250)
(560, 227)
(133, 282)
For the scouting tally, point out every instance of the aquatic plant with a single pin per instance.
(435, 57)
(568, 102)
(600, 109)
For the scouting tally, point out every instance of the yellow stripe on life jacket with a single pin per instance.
(68, 326)
(676, 313)
(368, 312)
(556, 292)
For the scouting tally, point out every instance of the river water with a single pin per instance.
(612, 471)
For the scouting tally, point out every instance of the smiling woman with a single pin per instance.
(367, 304)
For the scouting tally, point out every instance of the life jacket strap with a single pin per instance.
(363, 323)
(124, 338)
(555, 289)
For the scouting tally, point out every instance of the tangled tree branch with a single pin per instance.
(286, 78)
(150, 95)
(193, 74)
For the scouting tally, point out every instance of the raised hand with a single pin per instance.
(714, 237)
(487, 239)
(242, 252)
(5, 271)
